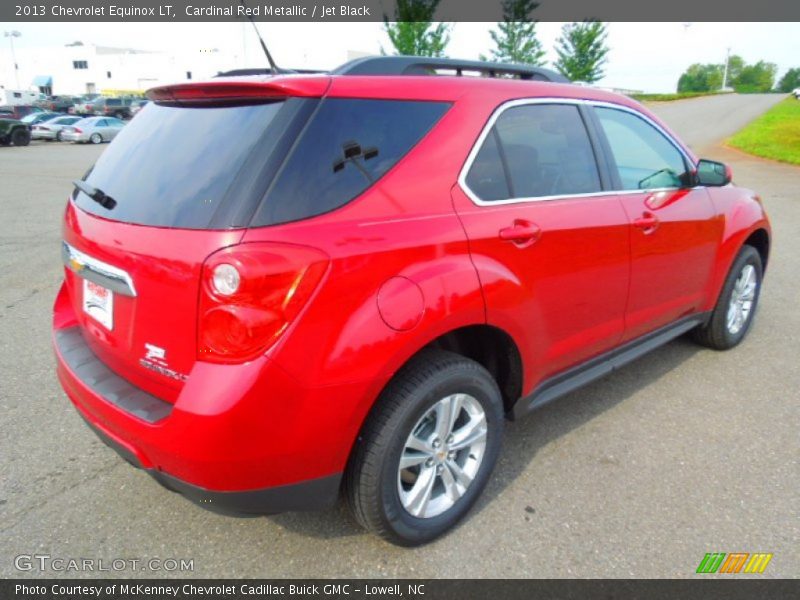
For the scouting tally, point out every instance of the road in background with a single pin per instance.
(709, 119)
(683, 452)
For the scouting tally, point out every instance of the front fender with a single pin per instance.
(743, 214)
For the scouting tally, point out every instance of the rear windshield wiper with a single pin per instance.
(95, 194)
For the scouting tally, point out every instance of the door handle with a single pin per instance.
(522, 233)
(648, 222)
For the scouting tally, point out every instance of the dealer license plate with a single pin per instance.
(98, 303)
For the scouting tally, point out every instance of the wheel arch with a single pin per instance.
(760, 240)
(492, 348)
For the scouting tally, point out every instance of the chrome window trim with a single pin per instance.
(101, 273)
(462, 176)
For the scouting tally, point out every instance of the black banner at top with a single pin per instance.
(376, 10)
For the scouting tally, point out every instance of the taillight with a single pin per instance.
(250, 294)
(76, 130)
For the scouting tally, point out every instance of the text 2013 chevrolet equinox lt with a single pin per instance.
(280, 287)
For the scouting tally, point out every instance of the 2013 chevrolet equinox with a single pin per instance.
(277, 286)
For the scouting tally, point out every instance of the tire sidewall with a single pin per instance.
(412, 530)
(747, 256)
(96, 138)
(20, 137)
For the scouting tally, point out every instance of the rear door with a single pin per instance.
(179, 177)
(674, 230)
(551, 246)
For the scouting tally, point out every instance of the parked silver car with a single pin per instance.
(93, 129)
(52, 129)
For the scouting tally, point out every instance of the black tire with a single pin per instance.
(20, 137)
(371, 481)
(96, 138)
(60, 136)
(716, 334)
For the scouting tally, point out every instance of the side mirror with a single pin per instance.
(713, 173)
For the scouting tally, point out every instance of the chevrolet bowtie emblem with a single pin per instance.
(76, 265)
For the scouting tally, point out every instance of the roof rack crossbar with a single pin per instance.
(418, 65)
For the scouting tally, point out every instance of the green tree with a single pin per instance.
(759, 77)
(582, 51)
(701, 78)
(735, 65)
(790, 80)
(412, 31)
(515, 38)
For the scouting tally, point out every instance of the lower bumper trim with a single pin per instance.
(313, 494)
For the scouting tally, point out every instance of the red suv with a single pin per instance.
(277, 287)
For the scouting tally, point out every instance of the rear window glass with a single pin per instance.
(347, 146)
(173, 167)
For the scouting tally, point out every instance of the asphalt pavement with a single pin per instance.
(684, 452)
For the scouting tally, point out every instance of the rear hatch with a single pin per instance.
(184, 179)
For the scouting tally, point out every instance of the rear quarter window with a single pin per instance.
(348, 145)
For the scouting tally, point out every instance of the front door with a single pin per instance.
(674, 232)
(550, 245)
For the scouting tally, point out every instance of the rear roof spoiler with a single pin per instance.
(214, 92)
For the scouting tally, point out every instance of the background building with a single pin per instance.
(80, 67)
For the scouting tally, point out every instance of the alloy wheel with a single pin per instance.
(442, 456)
(742, 297)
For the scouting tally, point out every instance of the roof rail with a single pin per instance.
(419, 65)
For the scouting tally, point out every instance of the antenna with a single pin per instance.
(273, 67)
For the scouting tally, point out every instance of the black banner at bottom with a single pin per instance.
(364, 589)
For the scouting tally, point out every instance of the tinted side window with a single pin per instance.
(487, 176)
(347, 146)
(645, 158)
(546, 150)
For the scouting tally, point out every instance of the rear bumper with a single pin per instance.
(245, 439)
(174, 446)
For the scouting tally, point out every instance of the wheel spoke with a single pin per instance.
(410, 459)
(461, 478)
(731, 318)
(415, 442)
(443, 411)
(472, 432)
(451, 487)
(456, 401)
(419, 495)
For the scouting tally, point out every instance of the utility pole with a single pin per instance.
(11, 35)
(725, 72)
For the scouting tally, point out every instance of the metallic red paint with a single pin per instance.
(582, 277)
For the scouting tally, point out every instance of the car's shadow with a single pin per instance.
(525, 437)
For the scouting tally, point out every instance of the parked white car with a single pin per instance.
(93, 129)
(52, 129)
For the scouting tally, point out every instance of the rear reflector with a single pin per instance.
(274, 282)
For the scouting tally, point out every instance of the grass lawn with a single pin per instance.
(775, 134)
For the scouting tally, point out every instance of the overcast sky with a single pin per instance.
(644, 56)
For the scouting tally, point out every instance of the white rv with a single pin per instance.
(16, 97)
